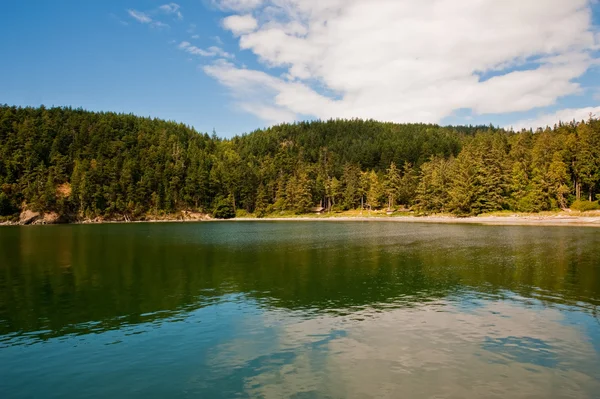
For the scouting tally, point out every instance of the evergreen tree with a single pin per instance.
(262, 201)
(433, 189)
(375, 190)
(465, 189)
(409, 182)
(393, 182)
(352, 189)
(87, 165)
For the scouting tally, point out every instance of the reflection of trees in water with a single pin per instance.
(77, 279)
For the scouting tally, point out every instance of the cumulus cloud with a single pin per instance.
(239, 24)
(265, 96)
(407, 61)
(171, 8)
(550, 119)
(398, 352)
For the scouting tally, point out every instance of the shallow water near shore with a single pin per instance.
(299, 309)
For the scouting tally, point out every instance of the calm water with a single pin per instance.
(299, 309)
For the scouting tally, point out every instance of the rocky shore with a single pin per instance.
(559, 219)
(29, 217)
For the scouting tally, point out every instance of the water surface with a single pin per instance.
(300, 310)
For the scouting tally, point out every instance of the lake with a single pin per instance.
(299, 310)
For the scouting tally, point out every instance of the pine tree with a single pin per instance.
(587, 164)
(352, 190)
(433, 189)
(375, 190)
(393, 181)
(408, 185)
(558, 177)
(492, 177)
(280, 195)
(519, 187)
(464, 186)
(304, 200)
(262, 201)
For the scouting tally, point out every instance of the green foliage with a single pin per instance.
(465, 188)
(432, 193)
(353, 190)
(6, 206)
(583, 206)
(84, 165)
(298, 193)
(262, 201)
(374, 189)
(393, 182)
(407, 190)
(224, 209)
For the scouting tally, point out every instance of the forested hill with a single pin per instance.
(83, 165)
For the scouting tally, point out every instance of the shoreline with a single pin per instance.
(492, 220)
(526, 220)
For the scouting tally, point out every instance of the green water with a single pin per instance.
(299, 309)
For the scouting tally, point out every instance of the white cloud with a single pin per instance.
(408, 61)
(140, 16)
(237, 5)
(258, 86)
(144, 18)
(195, 36)
(239, 24)
(171, 8)
(563, 115)
(159, 25)
(212, 51)
(357, 356)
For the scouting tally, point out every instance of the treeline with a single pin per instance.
(84, 165)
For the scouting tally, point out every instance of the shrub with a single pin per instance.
(224, 210)
(6, 206)
(242, 213)
(583, 206)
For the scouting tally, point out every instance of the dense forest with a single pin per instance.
(83, 165)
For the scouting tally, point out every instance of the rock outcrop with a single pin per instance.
(187, 215)
(51, 218)
(28, 217)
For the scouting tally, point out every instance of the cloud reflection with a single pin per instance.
(500, 349)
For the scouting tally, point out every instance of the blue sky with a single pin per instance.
(237, 65)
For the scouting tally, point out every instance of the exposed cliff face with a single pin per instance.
(28, 217)
(51, 218)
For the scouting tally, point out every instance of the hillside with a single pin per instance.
(80, 165)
